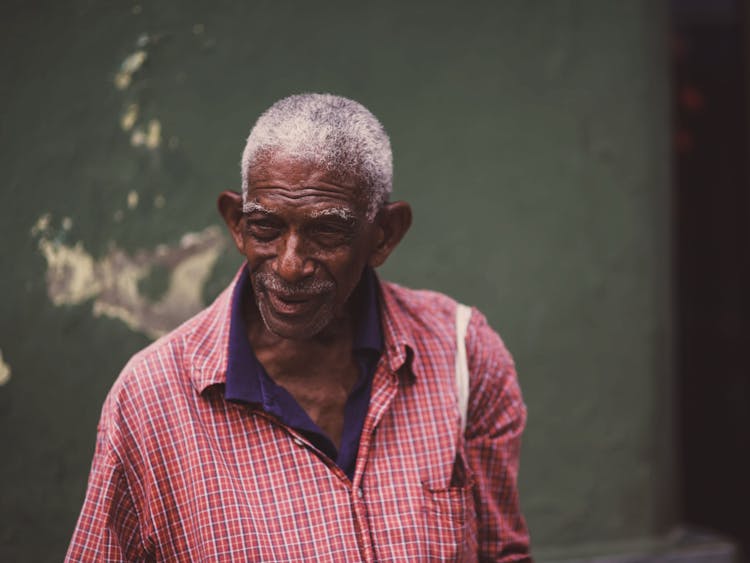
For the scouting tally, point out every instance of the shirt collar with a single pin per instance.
(207, 334)
(243, 368)
(368, 335)
(398, 330)
(245, 374)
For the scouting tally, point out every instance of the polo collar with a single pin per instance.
(208, 338)
(398, 332)
(207, 341)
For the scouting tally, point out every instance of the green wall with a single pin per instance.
(530, 137)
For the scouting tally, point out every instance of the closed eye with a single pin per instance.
(332, 234)
(263, 229)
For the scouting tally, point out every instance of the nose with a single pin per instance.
(291, 264)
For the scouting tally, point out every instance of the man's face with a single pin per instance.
(307, 241)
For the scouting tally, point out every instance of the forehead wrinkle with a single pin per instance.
(299, 190)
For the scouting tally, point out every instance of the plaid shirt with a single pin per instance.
(181, 474)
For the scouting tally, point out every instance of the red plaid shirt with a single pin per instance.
(180, 474)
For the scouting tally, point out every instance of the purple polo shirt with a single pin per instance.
(247, 380)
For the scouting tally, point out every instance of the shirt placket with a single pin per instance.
(384, 388)
(358, 509)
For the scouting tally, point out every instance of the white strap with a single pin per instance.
(463, 315)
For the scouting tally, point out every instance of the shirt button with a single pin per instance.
(298, 441)
(360, 494)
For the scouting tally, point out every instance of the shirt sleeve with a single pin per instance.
(108, 527)
(495, 422)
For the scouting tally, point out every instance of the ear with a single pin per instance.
(230, 208)
(393, 220)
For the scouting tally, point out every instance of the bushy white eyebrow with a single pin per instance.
(343, 212)
(253, 206)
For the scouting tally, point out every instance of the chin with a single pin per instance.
(291, 329)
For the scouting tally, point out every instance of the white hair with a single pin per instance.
(339, 134)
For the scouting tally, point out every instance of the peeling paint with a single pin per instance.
(70, 272)
(151, 138)
(4, 370)
(129, 118)
(73, 277)
(138, 138)
(132, 199)
(41, 225)
(128, 68)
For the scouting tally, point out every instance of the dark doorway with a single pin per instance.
(712, 243)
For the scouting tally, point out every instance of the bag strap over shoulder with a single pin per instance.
(463, 316)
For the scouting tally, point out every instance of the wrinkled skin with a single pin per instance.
(307, 240)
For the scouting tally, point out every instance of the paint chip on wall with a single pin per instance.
(41, 225)
(113, 281)
(70, 272)
(132, 199)
(128, 68)
(151, 138)
(129, 118)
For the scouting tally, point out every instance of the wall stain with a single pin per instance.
(4, 370)
(71, 272)
(129, 117)
(129, 67)
(74, 276)
(118, 282)
(132, 199)
(41, 225)
(149, 137)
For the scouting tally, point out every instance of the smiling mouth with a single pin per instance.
(291, 305)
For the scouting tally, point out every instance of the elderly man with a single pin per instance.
(312, 411)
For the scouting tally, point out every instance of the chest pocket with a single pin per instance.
(450, 518)
(451, 511)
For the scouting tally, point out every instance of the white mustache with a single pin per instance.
(299, 290)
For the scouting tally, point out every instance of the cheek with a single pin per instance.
(347, 272)
(255, 253)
